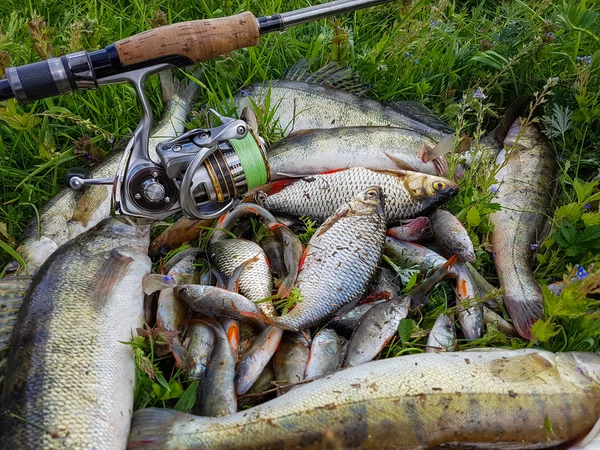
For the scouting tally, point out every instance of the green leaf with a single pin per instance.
(405, 329)
(411, 282)
(188, 398)
(583, 190)
(544, 330)
(590, 219)
(570, 212)
(473, 217)
(161, 379)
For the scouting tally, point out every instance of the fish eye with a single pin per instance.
(439, 185)
(372, 193)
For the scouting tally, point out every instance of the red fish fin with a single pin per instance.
(278, 185)
(259, 317)
(303, 257)
(524, 313)
(399, 163)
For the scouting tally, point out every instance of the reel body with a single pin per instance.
(204, 172)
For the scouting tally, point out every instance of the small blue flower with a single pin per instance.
(244, 92)
(479, 94)
(588, 206)
(581, 273)
(585, 59)
(417, 61)
(433, 23)
(89, 158)
(168, 278)
(534, 247)
(550, 35)
(494, 189)
(407, 55)
(559, 158)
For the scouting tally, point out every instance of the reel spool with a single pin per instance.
(215, 167)
(204, 172)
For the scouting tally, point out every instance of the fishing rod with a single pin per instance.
(181, 45)
(205, 172)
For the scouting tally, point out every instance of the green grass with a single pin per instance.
(437, 53)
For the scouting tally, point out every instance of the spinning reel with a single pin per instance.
(204, 172)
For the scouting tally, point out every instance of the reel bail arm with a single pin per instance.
(204, 172)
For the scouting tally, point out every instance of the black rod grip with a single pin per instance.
(6, 92)
(40, 80)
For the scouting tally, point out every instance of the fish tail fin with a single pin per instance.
(150, 427)
(259, 317)
(330, 75)
(524, 313)
(513, 112)
(185, 91)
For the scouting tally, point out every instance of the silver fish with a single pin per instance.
(200, 340)
(340, 260)
(442, 337)
(304, 101)
(450, 233)
(311, 152)
(327, 351)
(408, 194)
(69, 372)
(256, 358)
(503, 399)
(290, 360)
(527, 185)
(217, 391)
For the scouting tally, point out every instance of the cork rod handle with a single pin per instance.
(198, 40)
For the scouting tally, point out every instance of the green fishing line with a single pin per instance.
(251, 159)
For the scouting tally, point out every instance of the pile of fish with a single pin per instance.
(286, 336)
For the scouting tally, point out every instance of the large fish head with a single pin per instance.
(188, 292)
(368, 201)
(423, 186)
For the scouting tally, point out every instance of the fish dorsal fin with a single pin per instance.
(109, 273)
(330, 75)
(421, 113)
(89, 203)
(522, 367)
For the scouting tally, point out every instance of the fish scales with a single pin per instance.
(255, 281)
(319, 196)
(505, 398)
(312, 152)
(301, 106)
(341, 258)
(69, 372)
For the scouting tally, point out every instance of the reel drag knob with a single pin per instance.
(152, 190)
